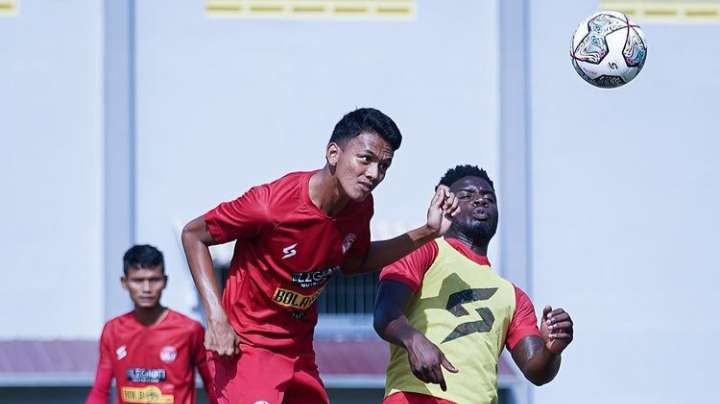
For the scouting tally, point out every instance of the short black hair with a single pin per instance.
(461, 171)
(367, 120)
(142, 256)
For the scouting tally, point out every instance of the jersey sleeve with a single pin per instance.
(200, 358)
(243, 217)
(361, 246)
(410, 270)
(100, 392)
(524, 321)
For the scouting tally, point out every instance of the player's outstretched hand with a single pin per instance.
(443, 206)
(556, 329)
(221, 338)
(427, 361)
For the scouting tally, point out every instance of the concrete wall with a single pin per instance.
(224, 104)
(51, 170)
(625, 213)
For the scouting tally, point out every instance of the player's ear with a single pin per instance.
(124, 282)
(165, 280)
(332, 154)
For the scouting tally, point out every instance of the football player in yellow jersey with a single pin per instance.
(448, 316)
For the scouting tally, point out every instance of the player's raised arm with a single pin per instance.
(196, 239)
(443, 206)
(539, 356)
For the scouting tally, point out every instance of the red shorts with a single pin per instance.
(404, 397)
(259, 376)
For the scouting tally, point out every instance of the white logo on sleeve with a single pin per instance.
(168, 354)
(289, 251)
(121, 352)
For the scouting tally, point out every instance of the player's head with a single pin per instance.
(144, 275)
(361, 149)
(475, 191)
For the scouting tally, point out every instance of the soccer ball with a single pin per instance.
(608, 50)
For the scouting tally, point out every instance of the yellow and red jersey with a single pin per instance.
(150, 364)
(464, 308)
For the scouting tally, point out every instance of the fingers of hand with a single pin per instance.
(562, 326)
(437, 373)
(451, 207)
(558, 319)
(561, 336)
(449, 201)
(546, 311)
(447, 365)
(439, 197)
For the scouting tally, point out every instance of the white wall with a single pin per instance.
(625, 222)
(51, 170)
(227, 103)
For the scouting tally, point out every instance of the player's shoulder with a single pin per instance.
(182, 320)
(286, 188)
(421, 258)
(119, 322)
(291, 180)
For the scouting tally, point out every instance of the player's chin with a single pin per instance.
(359, 193)
(146, 303)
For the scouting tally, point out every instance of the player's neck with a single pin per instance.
(477, 246)
(325, 193)
(148, 316)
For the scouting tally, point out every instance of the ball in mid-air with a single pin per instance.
(608, 49)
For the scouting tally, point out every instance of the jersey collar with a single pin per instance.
(467, 252)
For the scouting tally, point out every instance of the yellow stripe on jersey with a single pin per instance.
(465, 309)
(145, 395)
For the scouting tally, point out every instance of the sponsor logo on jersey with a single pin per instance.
(295, 300)
(142, 375)
(168, 354)
(148, 394)
(121, 352)
(289, 251)
(314, 278)
(297, 314)
(348, 242)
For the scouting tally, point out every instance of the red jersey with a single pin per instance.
(150, 364)
(286, 251)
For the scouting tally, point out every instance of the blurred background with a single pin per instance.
(120, 120)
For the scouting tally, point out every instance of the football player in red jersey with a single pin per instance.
(152, 351)
(447, 315)
(292, 235)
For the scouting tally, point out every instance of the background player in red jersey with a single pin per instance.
(152, 351)
(292, 235)
(443, 307)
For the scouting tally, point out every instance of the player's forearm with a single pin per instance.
(385, 252)
(539, 365)
(544, 368)
(393, 327)
(100, 392)
(201, 268)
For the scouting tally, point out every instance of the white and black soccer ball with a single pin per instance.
(608, 49)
